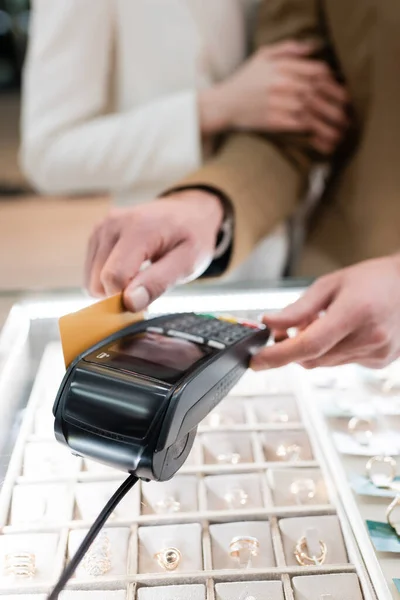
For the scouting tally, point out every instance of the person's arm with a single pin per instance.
(264, 175)
(69, 144)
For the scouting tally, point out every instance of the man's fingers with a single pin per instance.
(105, 244)
(158, 277)
(90, 256)
(122, 265)
(315, 341)
(315, 299)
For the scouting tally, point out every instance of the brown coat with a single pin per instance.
(265, 176)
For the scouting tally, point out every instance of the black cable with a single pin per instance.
(91, 535)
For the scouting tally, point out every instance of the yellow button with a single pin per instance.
(228, 319)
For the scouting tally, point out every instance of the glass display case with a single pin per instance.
(264, 507)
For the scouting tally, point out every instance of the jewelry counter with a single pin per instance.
(262, 509)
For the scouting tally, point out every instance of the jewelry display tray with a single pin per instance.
(30, 372)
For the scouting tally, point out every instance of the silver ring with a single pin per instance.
(97, 560)
(381, 480)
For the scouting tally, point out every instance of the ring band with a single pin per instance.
(21, 565)
(304, 559)
(243, 549)
(381, 460)
(169, 558)
(394, 504)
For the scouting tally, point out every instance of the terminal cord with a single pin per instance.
(91, 535)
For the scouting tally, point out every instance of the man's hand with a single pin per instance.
(279, 89)
(351, 316)
(178, 235)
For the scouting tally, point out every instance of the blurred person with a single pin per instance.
(128, 97)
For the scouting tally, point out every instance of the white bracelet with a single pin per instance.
(226, 240)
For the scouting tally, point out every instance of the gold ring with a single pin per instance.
(380, 479)
(394, 503)
(169, 558)
(303, 490)
(304, 559)
(288, 452)
(21, 565)
(167, 505)
(236, 498)
(243, 549)
(97, 560)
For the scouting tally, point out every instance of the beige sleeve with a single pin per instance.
(264, 175)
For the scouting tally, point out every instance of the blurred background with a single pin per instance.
(42, 240)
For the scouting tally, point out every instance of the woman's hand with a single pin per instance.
(279, 89)
(177, 234)
(351, 316)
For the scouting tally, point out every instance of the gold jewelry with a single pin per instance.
(304, 559)
(394, 504)
(169, 558)
(242, 549)
(236, 498)
(381, 480)
(167, 505)
(97, 560)
(288, 452)
(361, 430)
(21, 565)
(303, 490)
